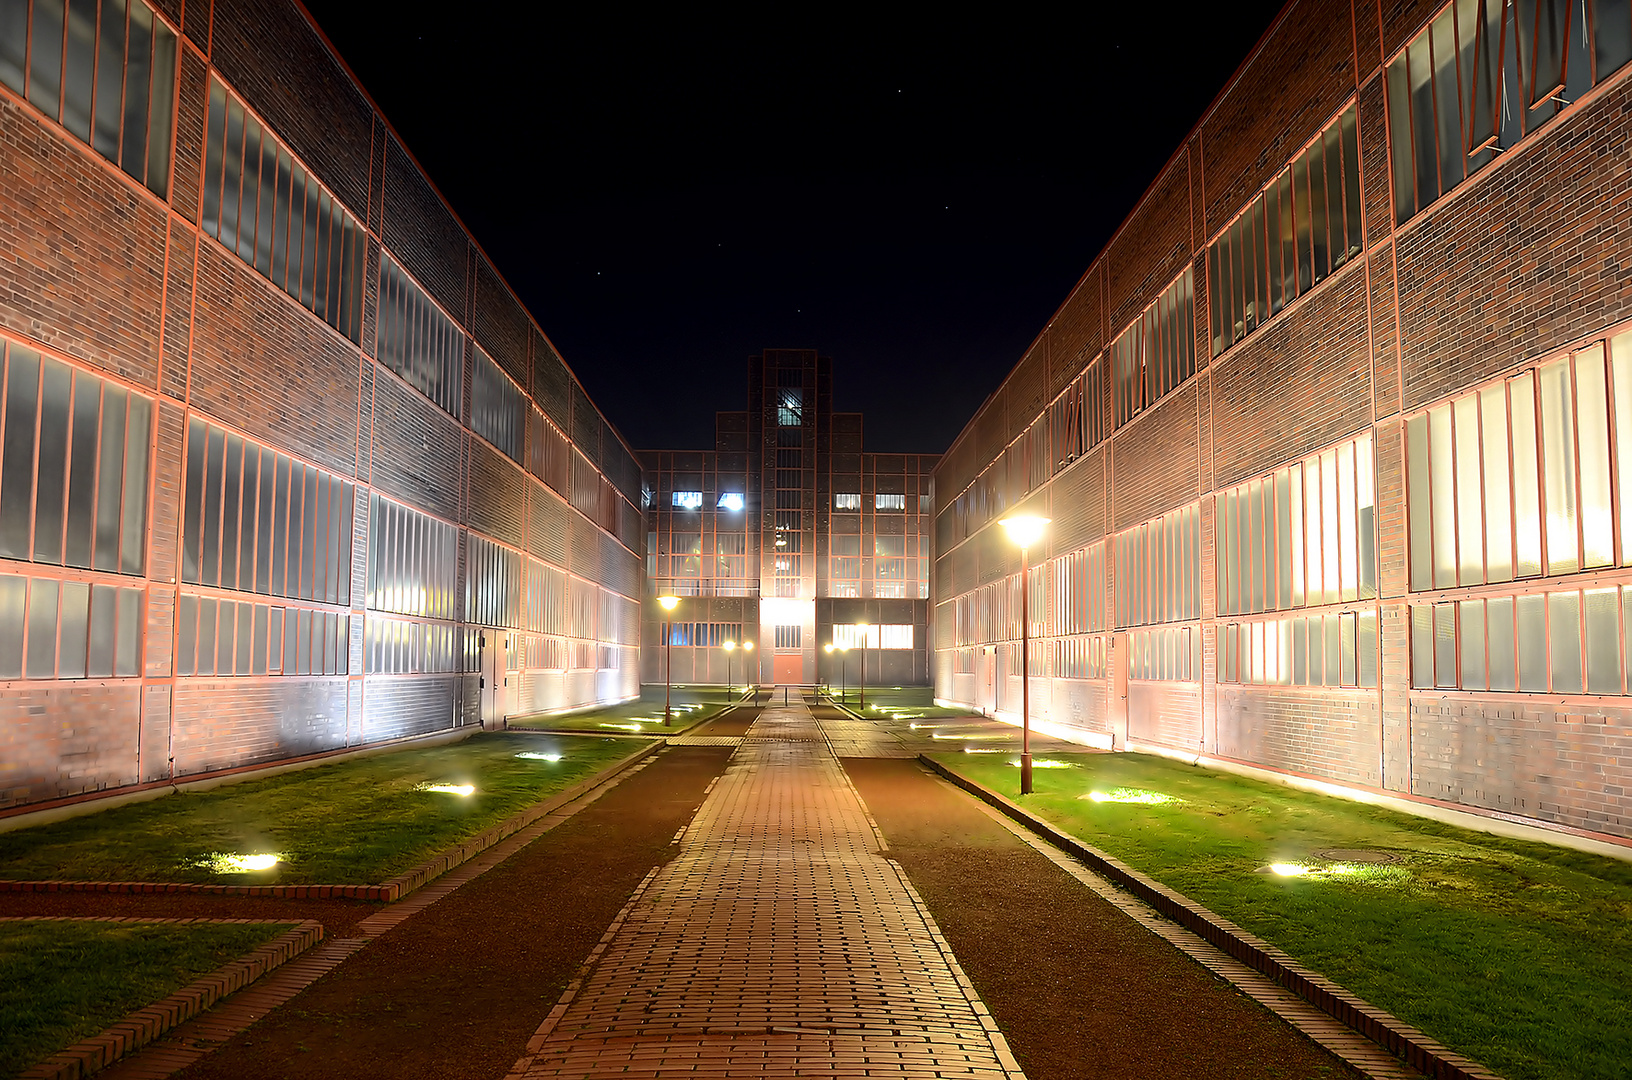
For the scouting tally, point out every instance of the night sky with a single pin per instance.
(671, 193)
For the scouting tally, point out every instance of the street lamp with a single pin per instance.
(747, 647)
(730, 647)
(828, 649)
(861, 688)
(668, 604)
(1024, 530)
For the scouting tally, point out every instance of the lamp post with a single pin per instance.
(747, 648)
(668, 604)
(729, 647)
(861, 687)
(828, 649)
(1024, 530)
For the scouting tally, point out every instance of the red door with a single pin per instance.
(789, 670)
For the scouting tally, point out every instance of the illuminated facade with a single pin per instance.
(285, 467)
(1336, 433)
(787, 535)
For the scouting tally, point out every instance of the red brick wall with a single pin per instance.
(1328, 733)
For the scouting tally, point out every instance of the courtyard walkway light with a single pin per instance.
(1025, 530)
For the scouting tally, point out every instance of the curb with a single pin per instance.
(1392, 1034)
(147, 1024)
(392, 890)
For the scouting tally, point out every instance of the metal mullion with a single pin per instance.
(124, 69)
(1617, 541)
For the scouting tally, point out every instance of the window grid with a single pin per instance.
(1158, 569)
(69, 629)
(1304, 535)
(1335, 649)
(1476, 81)
(498, 408)
(224, 637)
(1526, 476)
(73, 466)
(405, 647)
(1170, 653)
(1557, 642)
(1157, 352)
(1292, 235)
(105, 70)
(267, 209)
(260, 521)
(412, 561)
(418, 341)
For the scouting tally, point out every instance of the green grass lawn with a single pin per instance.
(61, 982)
(360, 821)
(895, 702)
(691, 705)
(1516, 954)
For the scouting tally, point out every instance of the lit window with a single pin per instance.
(730, 500)
(889, 502)
(847, 501)
(790, 407)
(687, 500)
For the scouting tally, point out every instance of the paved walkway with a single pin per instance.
(778, 943)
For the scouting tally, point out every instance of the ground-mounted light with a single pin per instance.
(531, 756)
(971, 738)
(1134, 796)
(232, 862)
(447, 789)
(984, 750)
(1046, 763)
(623, 727)
(1368, 873)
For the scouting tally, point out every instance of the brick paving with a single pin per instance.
(777, 943)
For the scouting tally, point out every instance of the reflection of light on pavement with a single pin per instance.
(448, 789)
(530, 756)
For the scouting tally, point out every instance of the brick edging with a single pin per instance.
(392, 890)
(1387, 1031)
(149, 1023)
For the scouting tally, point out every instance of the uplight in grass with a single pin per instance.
(1131, 795)
(984, 750)
(230, 862)
(968, 738)
(530, 756)
(448, 789)
(1045, 763)
(624, 727)
(1289, 869)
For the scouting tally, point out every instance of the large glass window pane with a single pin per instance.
(110, 69)
(1469, 513)
(1320, 252)
(1351, 182)
(1367, 648)
(1313, 560)
(1526, 479)
(42, 629)
(1592, 446)
(110, 477)
(56, 382)
(1558, 463)
(1620, 362)
(232, 486)
(1530, 613)
(72, 630)
(1603, 641)
(1443, 486)
(246, 615)
(1346, 644)
(103, 631)
(1296, 533)
(1499, 629)
(1498, 500)
(45, 58)
(1472, 618)
(133, 516)
(138, 73)
(1400, 141)
(192, 527)
(1348, 515)
(1612, 35)
(13, 593)
(164, 82)
(17, 480)
(1420, 73)
(1447, 101)
(1564, 627)
(82, 470)
(186, 634)
(13, 55)
(226, 631)
(81, 64)
(1445, 668)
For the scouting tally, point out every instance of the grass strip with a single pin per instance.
(1516, 954)
(61, 982)
(690, 705)
(354, 822)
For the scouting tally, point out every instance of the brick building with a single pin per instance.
(285, 467)
(788, 535)
(1336, 432)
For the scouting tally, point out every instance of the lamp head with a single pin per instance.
(668, 603)
(828, 647)
(1024, 529)
(729, 646)
(747, 646)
